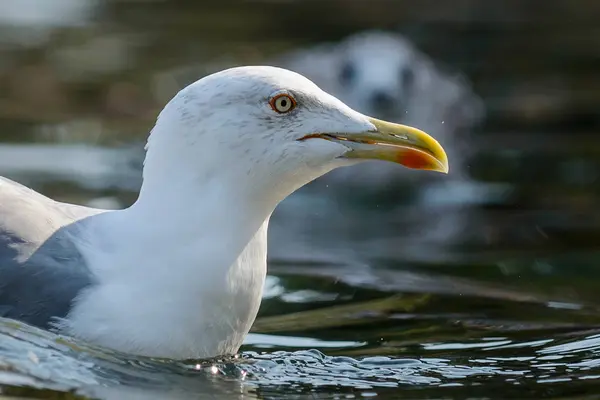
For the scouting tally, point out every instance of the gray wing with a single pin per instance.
(41, 270)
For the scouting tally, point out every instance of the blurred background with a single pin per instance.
(510, 88)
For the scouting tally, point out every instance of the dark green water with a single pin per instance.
(510, 310)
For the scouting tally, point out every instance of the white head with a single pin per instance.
(270, 131)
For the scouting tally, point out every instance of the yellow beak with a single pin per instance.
(402, 144)
(398, 143)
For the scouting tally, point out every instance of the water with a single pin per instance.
(507, 310)
(318, 337)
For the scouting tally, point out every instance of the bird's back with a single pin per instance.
(41, 270)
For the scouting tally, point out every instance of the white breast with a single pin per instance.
(205, 313)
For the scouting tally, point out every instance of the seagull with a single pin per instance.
(179, 274)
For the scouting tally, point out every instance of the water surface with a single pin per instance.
(319, 337)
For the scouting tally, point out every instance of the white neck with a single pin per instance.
(202, 237)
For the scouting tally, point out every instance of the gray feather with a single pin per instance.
(41, 269)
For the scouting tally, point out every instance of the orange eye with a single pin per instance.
(282, 103)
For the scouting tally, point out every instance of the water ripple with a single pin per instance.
(37, 359)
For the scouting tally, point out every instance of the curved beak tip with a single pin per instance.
(402, 144)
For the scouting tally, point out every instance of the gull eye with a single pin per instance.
(282, 103)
